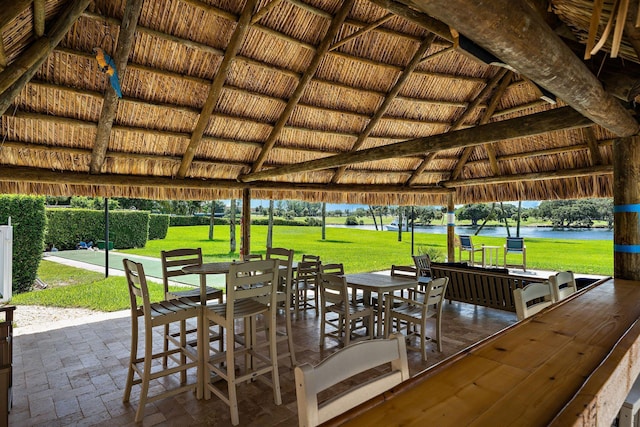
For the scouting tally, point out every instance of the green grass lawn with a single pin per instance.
(358, 250)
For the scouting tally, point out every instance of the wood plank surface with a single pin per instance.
(525, 375)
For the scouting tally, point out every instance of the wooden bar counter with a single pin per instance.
(572, 364)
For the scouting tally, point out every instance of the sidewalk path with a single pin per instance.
(94, 260)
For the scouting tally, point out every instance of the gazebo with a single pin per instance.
(413, 102)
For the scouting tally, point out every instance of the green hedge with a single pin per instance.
(188, 220)
(158, 226)
(28, 219)
(279, 221)
(67, 227)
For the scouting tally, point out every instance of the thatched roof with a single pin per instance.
(221, 95)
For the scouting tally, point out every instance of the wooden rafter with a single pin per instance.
(362, 31)
(536, 176)
(459, 123)
(46, 176)
(486, 116)
(413, 63)
(18, 73)
(511, 41)
(427, 22)
(237, 38)
(3, 55)
(594, 149)
(323, 48)
(266, 9)
(520, 127)
(38, 17)
(110, 103)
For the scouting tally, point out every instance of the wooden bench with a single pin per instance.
(488, 287)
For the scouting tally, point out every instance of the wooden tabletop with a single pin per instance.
(525, 375)
(375, 282)
(208, 268)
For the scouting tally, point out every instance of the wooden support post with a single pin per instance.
(626, 208)
(38, 17)
(451, 229)
(245, 244)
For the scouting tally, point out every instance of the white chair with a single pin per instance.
(306, 281)
(285, 296)
(416, 311)
(532, 299)
(334, 298)
(344, 364)
(248, 283)
(563, 284)
(142, 370)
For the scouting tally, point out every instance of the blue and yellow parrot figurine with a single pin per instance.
(108, 66)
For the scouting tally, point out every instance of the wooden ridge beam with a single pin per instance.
(9, 173)
(237, 38)
(18, 73)
(413, 63)
(514, 26)
(110, 104)
(534, 124)
(536, 176)
(322, 49)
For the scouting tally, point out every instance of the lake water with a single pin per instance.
(542, 232)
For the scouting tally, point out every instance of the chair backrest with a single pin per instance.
(138, 290)
(343, 364)
(310, 258)
(465, 242)
(333, 289)
(563, 284)
(514, 244)
(252, 279)
(404, 271)
(307, 273)
(423, 264)
(286, 259)
(252, 257)
(435, 291)
(532, 299)
(332, 268)
(174, 260)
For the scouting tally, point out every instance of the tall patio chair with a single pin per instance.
(342, 365)
(285, 296)
(334, 296)
(532, 299)
(251, 292)
(563, 284)
(305, 282)
(467, 246)
(515, 245)
(142, 370)
(423, 265)
(417, 311)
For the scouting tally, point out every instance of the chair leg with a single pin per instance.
(165, 358)
(439, 333)
(132, 358)
(323, 322)
(347, 329)
(273, 353)
(423, 340)
(315, 300)
(146, 373)
(231, 375)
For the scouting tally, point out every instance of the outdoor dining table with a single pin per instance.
(381, 284)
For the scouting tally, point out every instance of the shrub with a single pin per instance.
(278, 221)
(189, 220)
(435, 254)
(313, 222)
(67, 227)
(351, 220)
(28, 219)
(158, 226)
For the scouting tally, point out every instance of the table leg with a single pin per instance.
(203, 339)
(379, 314)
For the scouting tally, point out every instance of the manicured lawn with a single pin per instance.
(367, 250)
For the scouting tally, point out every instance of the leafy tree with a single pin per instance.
(473, 212)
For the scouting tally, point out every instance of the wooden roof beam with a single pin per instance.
(237, 38)
(491, 84)
(47, 176)
(486, 116)
(535, 176)
(413, 63)
(110, 104)
(516, 36)
(265, 9)
(18, 73)
(10, 10)
(362, 31)
(38, 17)
(594, 149)
(426, 21)
(323, 48)
(530, 125)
